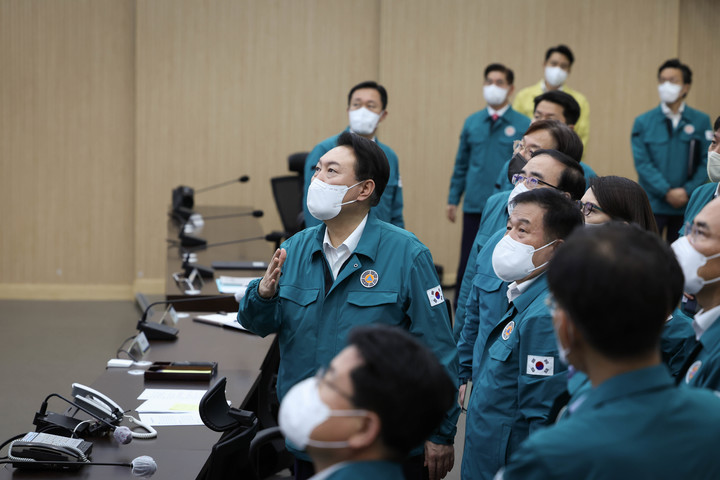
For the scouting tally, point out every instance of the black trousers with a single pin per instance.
(471, 224)
(673, 223)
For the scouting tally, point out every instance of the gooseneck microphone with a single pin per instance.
(158, 331)
(184, 196)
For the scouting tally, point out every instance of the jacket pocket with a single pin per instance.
(500, 351)
(299, 296)
(371, 299)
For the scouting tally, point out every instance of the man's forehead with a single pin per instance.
(527, 213)
(366, 94)
(340, 155)
(541, 163)
(710, 215)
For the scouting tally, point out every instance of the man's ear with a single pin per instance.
(511, 89)
(383, 115)
(366, 189)
(368, 434)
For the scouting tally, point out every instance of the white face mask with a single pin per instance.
(669, 92)
(302, 410)
(324, 201)
(713, 166)
(363, 121)
(512, 260)
(519, 188)
(690, 261)
(555, 76)
(494, 95)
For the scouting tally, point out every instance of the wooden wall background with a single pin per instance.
(106, 105)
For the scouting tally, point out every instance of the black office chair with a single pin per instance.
(288, 194)
(229, 457)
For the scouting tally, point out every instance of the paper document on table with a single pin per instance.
(170, 419)
(227, 284)
(221, 320)
(176, 394)
(163, 405)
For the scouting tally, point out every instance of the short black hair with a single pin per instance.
(566, 140)
(402, 381)
(624, 200)
(572, 178)
(618, 283)
(563, 49)
(675, 63)
(562, 215)
(374, 85)
(717, 124)
(499, 67)
(570, 106)
(370, 162)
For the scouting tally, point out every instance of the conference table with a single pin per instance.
(222, 224)
(179, 451)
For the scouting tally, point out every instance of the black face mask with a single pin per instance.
(517, 162)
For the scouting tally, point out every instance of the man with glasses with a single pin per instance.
(613, 288)
(543, 134)
(512, 359)
(698, 253)
(380, 397)
(485, 143)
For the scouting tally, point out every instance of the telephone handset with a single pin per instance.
(99, 404)
(39, 450)
(102, 406)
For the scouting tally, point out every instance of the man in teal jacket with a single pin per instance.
(353, 270)
(486, 142)
(516, 370)
(669, 145)
(633, 423)
(367, 107)
(704, 194)
(370, 395)
(562, 172)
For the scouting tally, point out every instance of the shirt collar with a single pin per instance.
(544, 87)
(717, 190)
(328, 471)
(514, 289)
(669, 113)
(704, 320)
(351, 241)
(499, 113)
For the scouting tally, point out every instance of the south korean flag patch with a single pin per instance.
(435, 296)
(537, 365)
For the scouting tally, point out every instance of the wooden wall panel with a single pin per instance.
(432, 60)
(66, 143)
(229, 87)
(698, 47)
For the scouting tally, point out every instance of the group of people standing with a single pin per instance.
(569, 335)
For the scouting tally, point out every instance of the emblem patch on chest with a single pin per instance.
(692, 371)
(369, 278)
(537, 365)
(507, 331)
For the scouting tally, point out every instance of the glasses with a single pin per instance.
(320, 377)
(520, 145)
(530, 182)
(588, 207)
(693, 231)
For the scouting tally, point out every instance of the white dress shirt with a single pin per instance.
(336, 257)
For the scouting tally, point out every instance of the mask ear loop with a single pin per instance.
(537, 250)
(351, 201)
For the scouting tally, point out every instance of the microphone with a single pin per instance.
(184, 196)
(142, 466)
(123, 435)
(158, 331)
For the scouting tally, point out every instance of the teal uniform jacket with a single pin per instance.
(635, 425)
(503, 184)
(699, 198)
(371, 470)
(484, 146)
(390, 207)
(516, 375)
(312, 314)
(704, 371)
(662, 157)
(677, 341)
(494, 218)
